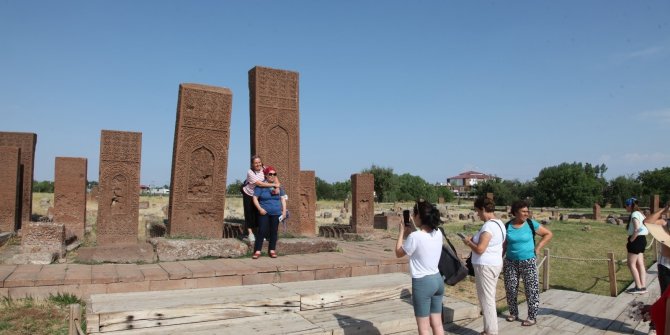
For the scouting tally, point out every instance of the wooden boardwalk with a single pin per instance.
(568, 312)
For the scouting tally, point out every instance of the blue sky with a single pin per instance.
(430, 88)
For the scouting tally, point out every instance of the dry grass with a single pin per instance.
(30, 317)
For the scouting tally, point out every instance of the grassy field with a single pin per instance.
(578, 252)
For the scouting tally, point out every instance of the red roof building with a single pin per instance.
(463, 183)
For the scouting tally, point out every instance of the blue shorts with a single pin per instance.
(427, 293)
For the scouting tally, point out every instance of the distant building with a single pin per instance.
(462, 184)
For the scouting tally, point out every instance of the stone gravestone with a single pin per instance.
(40, 237)
(70, 195)
(440, 200)
(10, 181)
(654, 203)
(362, 205)
(118, 200)
(275, 130)
(489, 195)
(200, 161)
(307, 204)
(26, 142)
(596, 211)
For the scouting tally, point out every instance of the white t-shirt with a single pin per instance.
(424, 250)
(493, 253)
(642, 229)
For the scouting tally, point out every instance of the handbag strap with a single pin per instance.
(445, 236)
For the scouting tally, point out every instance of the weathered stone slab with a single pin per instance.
(43, 237)
(26, 142)
(275, 131)
(185, 249)
(363, 202)
(298, 246)
(307, 203)
(200, 161)
(118, 253)
(118, 201)
(42, 258)
(70, 194)
(10, 200)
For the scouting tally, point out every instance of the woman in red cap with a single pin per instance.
(255, 178)
(271, 205)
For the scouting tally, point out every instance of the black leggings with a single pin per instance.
(250, 212)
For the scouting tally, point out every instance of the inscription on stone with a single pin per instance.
(118, 199)
(10, 182)
(275, 129)
(200, 161)
(70, 194)
(26, 142)
(363, 202)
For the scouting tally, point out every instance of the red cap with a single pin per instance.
(268, 169)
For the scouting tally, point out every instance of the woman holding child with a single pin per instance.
(271, 205)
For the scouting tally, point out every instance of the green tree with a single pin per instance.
(412, 187)
(234, 188)
(342, 190)
(621, 188)
(43, 186)
(655, 182)
(386, 183)
(569, 185)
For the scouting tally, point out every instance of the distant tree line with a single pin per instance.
(580, 185)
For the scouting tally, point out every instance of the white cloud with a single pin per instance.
(656, 51)
(653, 157)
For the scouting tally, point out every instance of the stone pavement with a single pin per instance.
(355, 259)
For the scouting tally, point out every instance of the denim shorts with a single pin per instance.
(427, 295)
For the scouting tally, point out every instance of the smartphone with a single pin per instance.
(405, 217)
(461, 235)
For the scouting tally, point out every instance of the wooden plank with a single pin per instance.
(351, 291)
(288, 323)
(189, 313)
(136, 301)
(381, 317)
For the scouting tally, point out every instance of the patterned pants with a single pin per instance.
(526, 269)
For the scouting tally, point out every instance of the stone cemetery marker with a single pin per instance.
(10, 183)
(275, 130)
(70, 194)
(363, 202)
(118, 200)
(654, 203)
(200, 161)
(307, 200)
(596, 211)
(26, 142)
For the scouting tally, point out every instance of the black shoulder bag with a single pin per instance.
(451, 267)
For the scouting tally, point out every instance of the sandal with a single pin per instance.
(511, 318)
(273, 254)
(528, 323)
(256, 255)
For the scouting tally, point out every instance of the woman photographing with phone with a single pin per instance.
(424, 247)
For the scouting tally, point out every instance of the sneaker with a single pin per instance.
(635, 290)
(252, 238)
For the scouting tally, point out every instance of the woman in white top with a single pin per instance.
(255, 177)
(487, 250)
(424, 247)
(637, 242)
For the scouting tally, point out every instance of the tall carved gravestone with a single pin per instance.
(596, 211)
(275, 128)
(70, 194)
(200, 161)
(10, 183)
(363, 202)
(308, 202)
(118, 200)
(26, 142)
(654, 203)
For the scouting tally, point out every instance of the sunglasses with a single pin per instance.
(272, 174)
